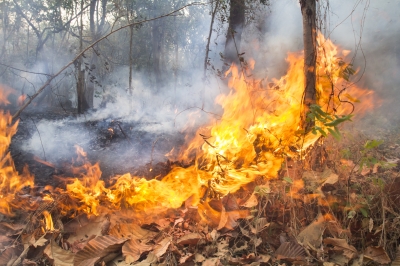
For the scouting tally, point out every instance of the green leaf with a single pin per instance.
(351, 214)
(334, 133)
(371, 144)
(364, 212)
(288, 179)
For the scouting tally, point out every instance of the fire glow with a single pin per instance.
(259, 127)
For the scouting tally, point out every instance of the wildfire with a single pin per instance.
(10, 181)
(259, 127)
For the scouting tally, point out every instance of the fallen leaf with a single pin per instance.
(26, 262)
(96, 249)
(133, 249)
(189, 239)
(230, 203)
(60, 256)
(40, 242)
(7, 229)
(199, 258)
(250, 202)
(349, 251)
(132, 231)
(312, 234)
(290, 251)
(162, 247)
(10, 255)
(211, 262)
(377, 254)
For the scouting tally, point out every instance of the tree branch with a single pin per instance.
(89, 47)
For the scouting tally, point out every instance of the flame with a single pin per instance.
(10, 181)
(48, 220)
(260, 126)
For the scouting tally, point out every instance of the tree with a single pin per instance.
(308, 11)
(234, 34)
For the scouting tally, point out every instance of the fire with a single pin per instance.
(48, 220)
(260, 126)
(10, 181)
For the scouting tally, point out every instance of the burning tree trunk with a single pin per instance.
(308, 10)
(234, 35)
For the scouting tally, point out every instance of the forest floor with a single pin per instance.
(343, 210)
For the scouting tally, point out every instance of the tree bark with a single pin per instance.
(234, 34)
(308, 11)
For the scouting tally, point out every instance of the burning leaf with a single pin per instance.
(162, 247)
(96, 249)
(189, 239)
(59, 256)
(377, 254)
(133, 249)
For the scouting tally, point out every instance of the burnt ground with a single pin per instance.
(117, 144)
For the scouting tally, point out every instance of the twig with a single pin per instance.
(152, 151)
(123, 132)
(44, 153)
(89, 47)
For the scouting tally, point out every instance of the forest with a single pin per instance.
(209, 132)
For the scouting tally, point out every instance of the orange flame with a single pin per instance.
(10, 181)
(259, 127)
(49, 226)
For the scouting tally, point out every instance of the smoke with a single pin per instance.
(368, 28)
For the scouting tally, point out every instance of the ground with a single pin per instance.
(340, 206)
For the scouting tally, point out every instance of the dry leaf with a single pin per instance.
(60, 256)
(29, 263)
(7, 229)
(40, 242)
(290, 250)
(96, 249)
(189, 239)
(162, 247)
(132, 231)
(251, 202)
(348, 250)
(211, 262)
(377, 254)
(230, 203)
(10, 255)
(133, 249)
(312, 234)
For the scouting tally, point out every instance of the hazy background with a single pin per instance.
(370, 29)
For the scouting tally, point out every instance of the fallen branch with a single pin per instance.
(47, 83)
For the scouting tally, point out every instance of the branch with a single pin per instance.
(89, 47)
(26, 71)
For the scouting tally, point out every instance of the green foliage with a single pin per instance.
(367, 157)
(329, 122)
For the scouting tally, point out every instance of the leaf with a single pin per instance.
(61, 257)
(132, 231)
(96, 249)
(334, 133)
(133, 249)
(11, 254)
(189, 239)
(364, 212)
(251, 202)
(349, 251)
(312, 234)
(288, 179)
(377, 254)
(162, 247)
(371, 144)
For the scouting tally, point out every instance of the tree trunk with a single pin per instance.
(130, 59)
(234, 34)
(80, 85)
(156, 52)
(308, 10)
